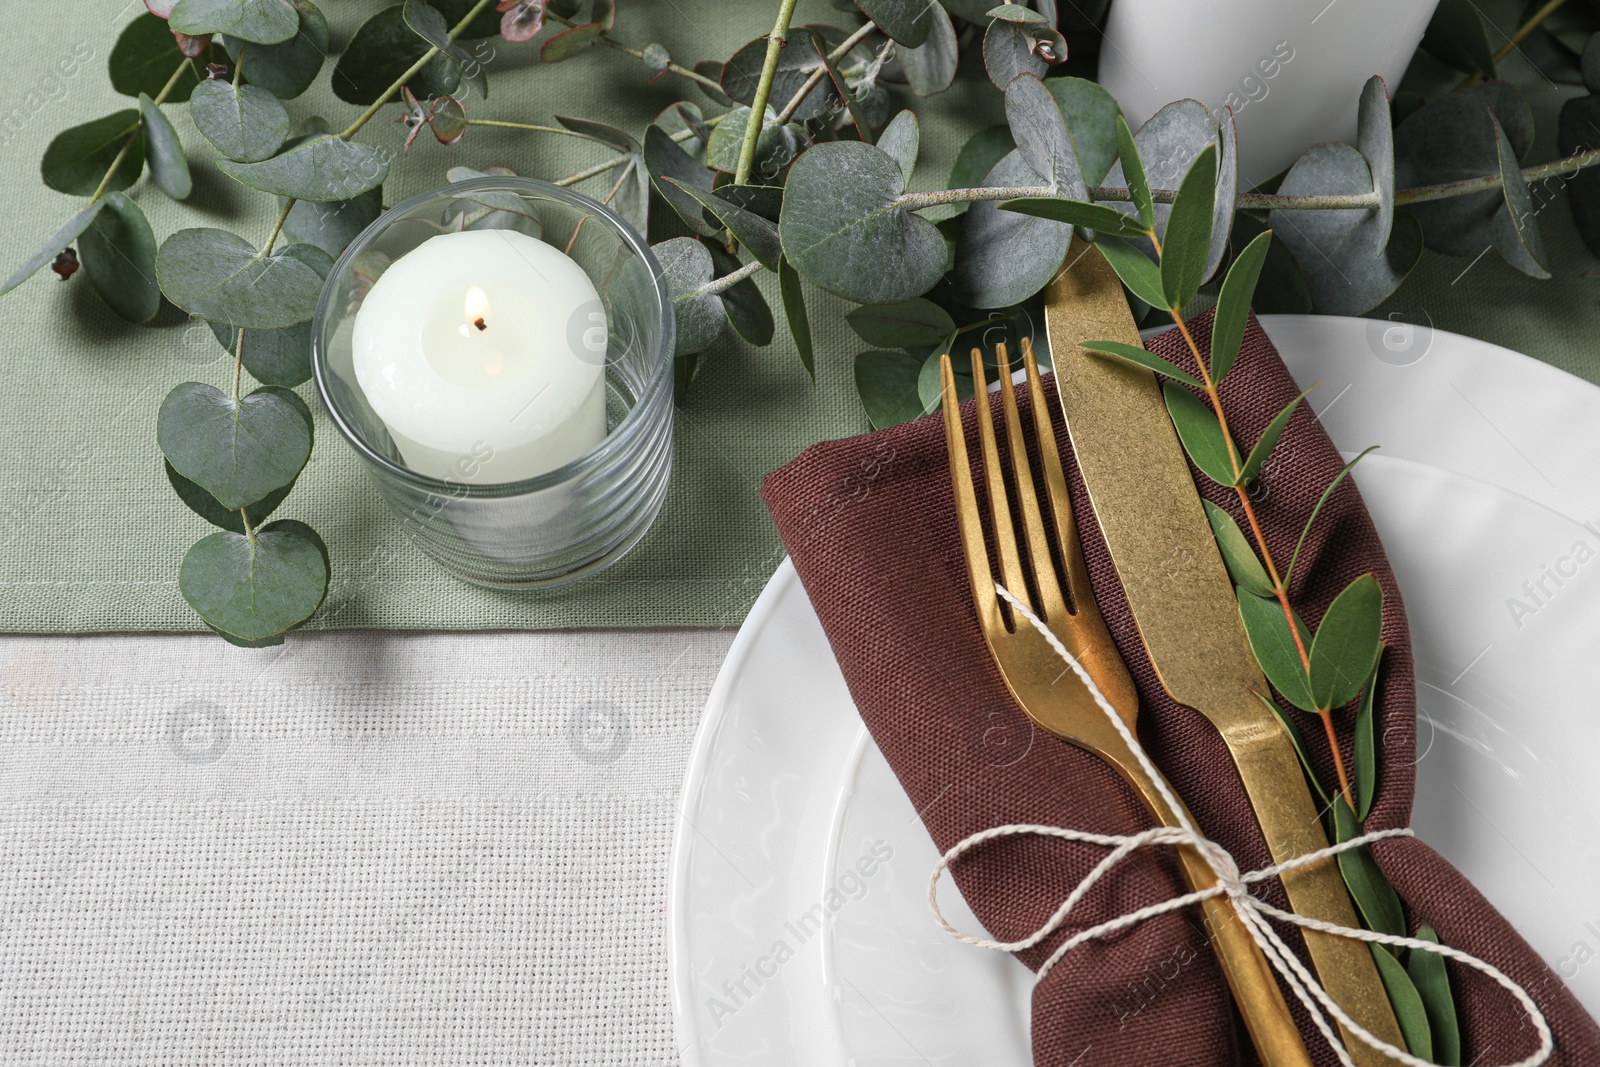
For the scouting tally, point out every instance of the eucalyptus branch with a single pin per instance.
(672, 67)
(127, 145)
(272, 238)
(1533, 23)
(717, 286)
(530, 127)
(615, 161)
(1556, 168)
(758, 103)
(411, 72)
(815, 77)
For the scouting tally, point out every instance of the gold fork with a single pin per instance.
(1032, 670)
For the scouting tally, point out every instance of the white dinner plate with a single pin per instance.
(799, 932)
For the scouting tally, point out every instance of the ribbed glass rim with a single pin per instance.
(595, 458)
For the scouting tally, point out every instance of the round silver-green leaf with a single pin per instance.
(258, 21)
(244, 122)
(118, 253)
(220, 277)
(239, 452)
(321, 169)
(254, 589)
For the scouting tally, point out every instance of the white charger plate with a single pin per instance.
(786, 793)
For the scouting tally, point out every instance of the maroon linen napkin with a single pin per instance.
(869, 524)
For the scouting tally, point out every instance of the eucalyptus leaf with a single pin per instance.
(1233, 304)
(1243, 566)
(886, 381)
(755, 233)
(775, 147)
(742, 302)
(426, 21)
(278, 357)
(207, 507)
(742, 73)
(931, 66)
(568, 43)
(1042, 138)
(1327, 494)
(1298, 740)
(1168, 145)
(1366, 744)
(238, 451)
(672, 171)
(842, 226)
(907, 22)
(600, 132)
(1432, 981)
(1141, 276)
(169, 167)
(333, 224)
(1141, 357)
(1347, 643)
(1076, 213)
(253, 589)
(1376, 899)
(1133, 174)
(243, 122)
(686, 265)
(118, 254)
(1375, 139)
(1090, 112)
(288, 68)
(382, 49)
(906, 324)
(794, 310)
(1453, 138)
(1409, 1011)
(1003, 257)
(1515, 228)
(145, 56)
(1268, 441)
(321, 169)
(78, 158)
(1187, 243)
(1347, 270)
(1200, 433)
(53, 247)
(1008, 52)
(258, 21)
(1274, 646)
(219, 276)
(901, 139)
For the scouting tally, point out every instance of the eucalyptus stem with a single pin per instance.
(266, 249)
(638, 53)
(758, 103)
(1555, 168)
(1280, 588)
(531, 127)
(411, 72)
(815, 77)
(238, 63)
(720, 285)
(127, 146)
(238, 366)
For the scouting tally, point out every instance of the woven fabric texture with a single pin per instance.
(887, 578)
(357, 849)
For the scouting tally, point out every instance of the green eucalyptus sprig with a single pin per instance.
(1323, 671)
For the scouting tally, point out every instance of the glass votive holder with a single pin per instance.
(573, 520)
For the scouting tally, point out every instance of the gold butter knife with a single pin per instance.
(1183, 603)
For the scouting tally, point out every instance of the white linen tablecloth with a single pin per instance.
(358, 848)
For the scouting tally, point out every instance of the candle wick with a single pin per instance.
(480, 324)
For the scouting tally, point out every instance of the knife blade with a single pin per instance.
(1146, 505)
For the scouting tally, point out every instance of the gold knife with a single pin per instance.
(1183, 603)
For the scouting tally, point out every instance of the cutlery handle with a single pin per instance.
(1250, 977)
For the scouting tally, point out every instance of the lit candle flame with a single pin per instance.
(477, 307)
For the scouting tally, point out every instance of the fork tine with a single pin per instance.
(994, 481)
(1044, 571)
(1076, 571)
(968, 517)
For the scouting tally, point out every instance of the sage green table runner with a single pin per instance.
(91, 535)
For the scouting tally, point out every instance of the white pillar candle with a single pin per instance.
(483, 351)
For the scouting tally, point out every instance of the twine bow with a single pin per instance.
(1253, 912)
